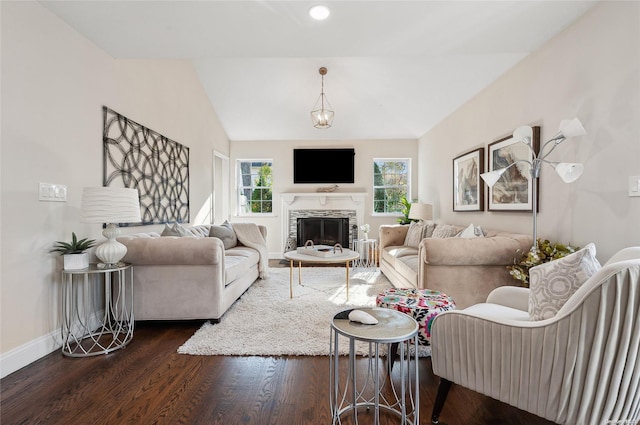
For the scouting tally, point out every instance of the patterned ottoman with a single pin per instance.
(422, 304)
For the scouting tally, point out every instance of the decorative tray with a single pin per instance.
(320, 250)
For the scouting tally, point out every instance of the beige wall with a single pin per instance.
(54, 84)
(282, 154)
(590, 71)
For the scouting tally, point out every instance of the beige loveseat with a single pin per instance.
(467, 269)
(189, 277)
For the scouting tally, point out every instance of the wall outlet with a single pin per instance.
(50, 192)
(634, 185)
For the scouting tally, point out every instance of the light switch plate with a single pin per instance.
(634, 185)
(50, 192)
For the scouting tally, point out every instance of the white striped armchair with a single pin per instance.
(581, 366)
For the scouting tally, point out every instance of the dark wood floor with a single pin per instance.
(147, 382)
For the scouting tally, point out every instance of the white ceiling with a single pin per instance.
(395, 68)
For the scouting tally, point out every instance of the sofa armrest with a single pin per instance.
(173, 250)
(510, 296)
(392, 235)
(492, 251)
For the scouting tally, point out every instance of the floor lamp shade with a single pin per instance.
(110, 205)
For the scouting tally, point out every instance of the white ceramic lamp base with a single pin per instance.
(111, 251)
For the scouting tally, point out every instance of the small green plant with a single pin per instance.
(547, 251)
(406, 206)
(75, 247)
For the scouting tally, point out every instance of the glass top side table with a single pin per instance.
(97, 310)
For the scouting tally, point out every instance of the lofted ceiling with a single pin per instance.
(395, 68)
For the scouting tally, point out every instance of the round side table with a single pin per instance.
(371, 391)
(97, 310)
(368, 250)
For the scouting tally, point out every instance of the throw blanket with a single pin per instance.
(249, 235)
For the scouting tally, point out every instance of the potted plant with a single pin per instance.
(406, 207)
(73, 253)
(547, 251)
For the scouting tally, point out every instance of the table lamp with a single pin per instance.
(421, 212)
(110, 205)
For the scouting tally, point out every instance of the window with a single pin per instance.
(254, 185)
(390, 184)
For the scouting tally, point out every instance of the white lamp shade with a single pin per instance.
(524, 133)
(491, 177)
(572, 128)
(421, 211)
(110, 205)
(569, 172)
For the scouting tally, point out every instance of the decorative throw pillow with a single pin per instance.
(175, 230)
(200, 230)
(414, 234)
(444, 231)
(552, 284)
(428, 230)
(225, 233)
(472, 232)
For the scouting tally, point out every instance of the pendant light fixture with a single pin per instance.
(322, 115)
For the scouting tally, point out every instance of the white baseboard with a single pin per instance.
(33, 350)
(28, 353)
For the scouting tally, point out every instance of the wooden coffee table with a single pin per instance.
(345, 257)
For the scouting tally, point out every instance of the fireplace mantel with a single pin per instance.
(321, 197)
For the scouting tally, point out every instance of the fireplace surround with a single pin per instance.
(342, 205)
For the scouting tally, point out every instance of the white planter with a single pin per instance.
(76, 261)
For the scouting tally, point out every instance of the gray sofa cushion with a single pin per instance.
(225, 233)
(238, 261)
(408, 267)
(392, 253)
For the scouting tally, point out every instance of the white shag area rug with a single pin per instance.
(266, 322)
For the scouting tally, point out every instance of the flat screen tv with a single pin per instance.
(323, 165)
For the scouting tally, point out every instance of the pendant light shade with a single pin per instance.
(322, 115)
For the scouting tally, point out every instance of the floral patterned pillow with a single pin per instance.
(552, 284)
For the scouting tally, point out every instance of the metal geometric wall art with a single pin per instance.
(138, 157)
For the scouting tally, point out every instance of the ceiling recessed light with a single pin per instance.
(319, 12)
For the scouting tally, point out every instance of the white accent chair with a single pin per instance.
(581, 366)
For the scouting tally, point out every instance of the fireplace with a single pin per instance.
(323, 231)
(336, 204)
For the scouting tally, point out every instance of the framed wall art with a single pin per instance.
(468, 193)
(513, 191)
(140, 158)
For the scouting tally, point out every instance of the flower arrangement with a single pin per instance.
(547, 251)
(365, 228)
